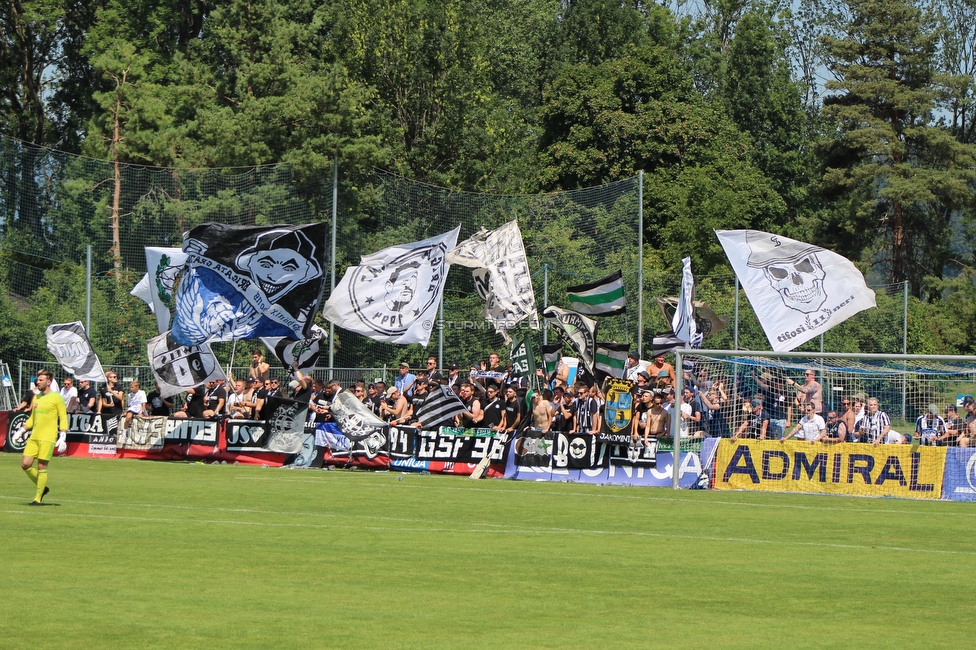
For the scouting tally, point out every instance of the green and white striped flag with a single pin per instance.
(603, 297)
(611, 359)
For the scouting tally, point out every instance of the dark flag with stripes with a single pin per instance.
(439, 409)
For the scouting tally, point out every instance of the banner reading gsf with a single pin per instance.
(846, 468)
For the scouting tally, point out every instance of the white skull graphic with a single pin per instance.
(799, 283)
(791, 268)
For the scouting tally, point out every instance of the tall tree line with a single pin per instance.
(844, 122)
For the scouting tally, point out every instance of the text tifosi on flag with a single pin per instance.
(501, 275)
(244, 282)
(797, 290)
(611, 358)
(603, 297)
(439, 409)
(69, 344)
(394, 293)
(577, 330)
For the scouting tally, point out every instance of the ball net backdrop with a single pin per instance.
(53, 205)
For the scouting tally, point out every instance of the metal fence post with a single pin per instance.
(335, 213)
(640, 262)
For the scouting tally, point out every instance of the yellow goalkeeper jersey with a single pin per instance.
(43, 421)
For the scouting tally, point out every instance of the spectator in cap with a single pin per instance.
(394, 408)
(955, 426)
(454, 377)
(632, 367)
(406, 379)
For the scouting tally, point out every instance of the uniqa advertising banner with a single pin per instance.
(845, 468)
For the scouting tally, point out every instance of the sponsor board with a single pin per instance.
(960, 474)
(197, 432)
(845, 468)
(632, 475)
(247, 435)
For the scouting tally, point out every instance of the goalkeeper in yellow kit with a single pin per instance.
(48, 424)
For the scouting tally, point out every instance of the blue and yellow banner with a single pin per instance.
(845, 468)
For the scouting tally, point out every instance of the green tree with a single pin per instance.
(894, 176)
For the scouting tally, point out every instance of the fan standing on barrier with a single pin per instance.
(48, 428)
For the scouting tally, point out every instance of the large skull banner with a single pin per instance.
(797, 290)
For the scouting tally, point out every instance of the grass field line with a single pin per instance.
(507, 531)
(648, 498)
(246, 511)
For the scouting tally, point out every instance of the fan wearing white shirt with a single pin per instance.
(810, 427)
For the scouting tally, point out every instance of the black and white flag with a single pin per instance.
(69, 344)
(304, 352)
(246, 282)
(611, 358)
(577, 330)
(603, 297)
(501, 275)
(393, 294)
(797, 290)
(439, 409)
(683, 323)
(180, 367)
(286, 425)
(354, 418)
(551, 354)
(707, 321)
(664, 343)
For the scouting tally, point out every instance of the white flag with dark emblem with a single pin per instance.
(798, 290)
(164, 266)
(502, 275)
(577, 330)
(305, 352)
(286, 425)
(393, 294)
(179, 367)
(353, 417)
(69, 344)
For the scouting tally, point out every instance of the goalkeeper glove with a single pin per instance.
(21, 435)
(62, 445)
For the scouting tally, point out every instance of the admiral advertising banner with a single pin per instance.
(845, 468)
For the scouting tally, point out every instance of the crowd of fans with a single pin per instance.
(772, 406)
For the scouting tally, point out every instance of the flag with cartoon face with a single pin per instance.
(245, 282)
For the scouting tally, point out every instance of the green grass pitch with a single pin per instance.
(137, 554)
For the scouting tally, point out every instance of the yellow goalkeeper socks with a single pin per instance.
(41, 484)
(31, 474)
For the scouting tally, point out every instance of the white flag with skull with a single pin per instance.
(797, 290)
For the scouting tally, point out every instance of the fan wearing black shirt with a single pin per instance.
(512, 413)
(158, 405)
(493, 410)
(193, 408)
(214, 399)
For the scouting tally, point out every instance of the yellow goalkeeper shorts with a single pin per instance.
(39, 450)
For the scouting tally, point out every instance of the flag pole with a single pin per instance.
(335, 204)
(640, 261)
